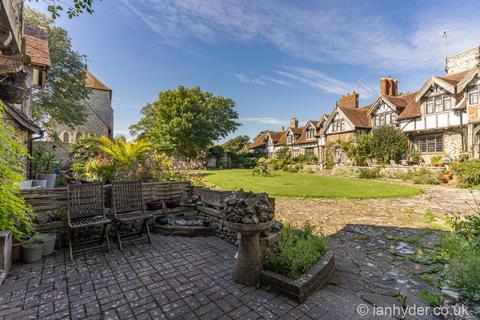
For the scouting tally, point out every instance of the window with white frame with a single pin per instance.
(473, 95)
(309, 151)
(338, 125)
(310, 133)
(290, 138)
(438, 104)
(384, 118)
(429, 143)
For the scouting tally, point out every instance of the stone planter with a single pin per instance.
(32, 251)
(48, 242)
(248, 269)
(299, 289)
(50, 177)
(17, 251)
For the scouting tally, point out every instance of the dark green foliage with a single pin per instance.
(305, 158)
(359, 150)
(61, 102)
(297, 252)
(236, 145)
(388, 143)
(216, 152)
(468, 173)
(369, 173)
(185, 121)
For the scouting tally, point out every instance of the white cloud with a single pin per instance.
(261, 80)
(245, 79)
(320, 81)
(327, 32)
(263, 120)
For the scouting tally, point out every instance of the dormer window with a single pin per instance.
(290, 138)
(438, 104)
(310, 133)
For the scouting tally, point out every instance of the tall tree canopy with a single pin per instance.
(236, 144)
(61, 102)
(186, 121)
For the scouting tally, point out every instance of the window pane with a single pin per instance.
(429, 106)
(473, 97)
(439, 142)
(438, 104)
(447, 103)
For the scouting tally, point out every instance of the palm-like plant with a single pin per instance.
(125, 155)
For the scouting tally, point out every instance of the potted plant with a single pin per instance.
(46, 163)
(32, 251)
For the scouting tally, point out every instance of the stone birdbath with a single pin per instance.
(248, 214)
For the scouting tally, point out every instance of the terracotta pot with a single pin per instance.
(17, 251)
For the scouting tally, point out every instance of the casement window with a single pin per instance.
(338, 125)
(310, 133)
(309, 151)
(477, 138)
(438, 104)
(473, 96)
(385, 118)
(290, 138)
(429, 143)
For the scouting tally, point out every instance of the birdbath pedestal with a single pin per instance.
(248, 269)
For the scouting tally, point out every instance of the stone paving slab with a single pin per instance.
(174, 278)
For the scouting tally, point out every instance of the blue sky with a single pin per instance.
(275, 59)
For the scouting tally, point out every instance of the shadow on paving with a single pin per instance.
(191, 278)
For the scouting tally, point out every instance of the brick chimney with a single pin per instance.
(283, 128)
(388, 86)
(294, 123)
(349, 101)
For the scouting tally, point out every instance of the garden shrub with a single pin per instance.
(388, 143)
(468, 173)
(306, 159)
(298, 250)
(15, 214)
(261, 169)
(360, 150)
(369, 173)
(462, 248)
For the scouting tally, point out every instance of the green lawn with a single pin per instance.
(307, 185)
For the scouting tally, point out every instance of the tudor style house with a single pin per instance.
(442, 118)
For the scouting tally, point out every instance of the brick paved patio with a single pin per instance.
(185, 278)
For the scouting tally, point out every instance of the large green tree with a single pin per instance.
(61, 102)
(236, 144)
(186, 121)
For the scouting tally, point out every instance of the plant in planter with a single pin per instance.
(436, 161)
(45, 164)
(300, 264)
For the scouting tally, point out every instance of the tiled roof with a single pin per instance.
(92, 82)
(259, 142)
(455, 78)
(22, 119)
(412, 108)
(36, 45)
(303, 137)
(282, 140)
(358, 116)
